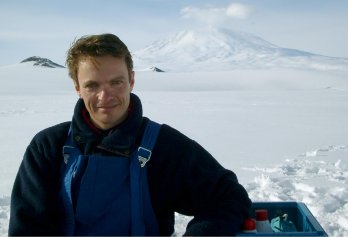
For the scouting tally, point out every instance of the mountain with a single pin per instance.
(43, 62)
(225, 49)
(156, 69)
(151, 69)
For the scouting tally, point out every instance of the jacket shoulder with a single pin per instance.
(170, 134)
(50, 140)
(54, 132)
(174, 141)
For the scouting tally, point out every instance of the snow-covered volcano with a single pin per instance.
(225, 49)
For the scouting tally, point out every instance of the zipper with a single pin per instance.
(126, 153)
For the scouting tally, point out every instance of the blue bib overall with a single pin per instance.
(108, 195)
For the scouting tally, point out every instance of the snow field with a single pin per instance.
(319, 181)
(284, 133)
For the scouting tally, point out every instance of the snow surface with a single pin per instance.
(284, 132)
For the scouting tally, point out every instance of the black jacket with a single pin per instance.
(183, 177)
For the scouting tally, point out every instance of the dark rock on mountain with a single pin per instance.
(43, 62)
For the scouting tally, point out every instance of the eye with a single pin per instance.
(91, 85)
(116, 82)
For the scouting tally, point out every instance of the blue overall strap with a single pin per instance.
(143, 220)
(148, 142)
(70, 154)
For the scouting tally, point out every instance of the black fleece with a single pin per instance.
(183, 177)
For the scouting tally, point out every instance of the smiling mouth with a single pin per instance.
(107, 107)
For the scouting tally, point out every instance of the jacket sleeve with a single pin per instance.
(193, 183)
(34, 199)
(217, 201)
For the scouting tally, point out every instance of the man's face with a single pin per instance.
(105, 87)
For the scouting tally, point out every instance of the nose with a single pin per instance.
(105, 94)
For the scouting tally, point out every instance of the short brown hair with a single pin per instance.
(91, 46)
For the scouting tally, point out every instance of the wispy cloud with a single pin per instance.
(216, 15)
(237, 10)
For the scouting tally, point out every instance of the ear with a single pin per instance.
(77, 88)
(132, 81)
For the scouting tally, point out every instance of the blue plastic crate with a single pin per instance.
(298, 214)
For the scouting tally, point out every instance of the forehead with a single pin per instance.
(105, 65)
(101, 61)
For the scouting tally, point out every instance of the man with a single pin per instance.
(77, 178)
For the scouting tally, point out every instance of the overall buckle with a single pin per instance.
(143, 156)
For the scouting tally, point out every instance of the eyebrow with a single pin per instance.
(89, 81)
(119, 78)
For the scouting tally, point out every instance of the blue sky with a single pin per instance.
(47, 28)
